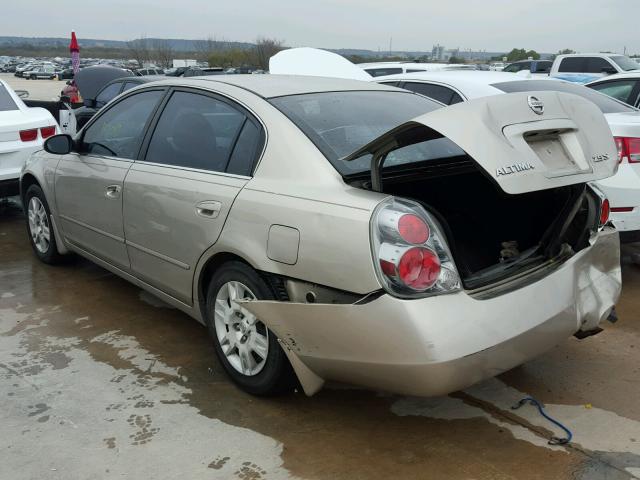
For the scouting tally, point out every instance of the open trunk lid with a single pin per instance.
(524, 141)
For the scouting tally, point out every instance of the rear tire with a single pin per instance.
(41, 236)
(33, 77)
(240, 340)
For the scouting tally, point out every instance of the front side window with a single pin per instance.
(107, 94)
(119, 130)
(620, 90)
(339, 123)
(195, 131)
(6, 101)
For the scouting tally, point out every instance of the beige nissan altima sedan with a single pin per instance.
(326, 229)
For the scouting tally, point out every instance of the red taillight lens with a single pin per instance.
(419, 268)
(628, 148)
(47, 132)
(413, 229)
(29, 135)
(605, 210)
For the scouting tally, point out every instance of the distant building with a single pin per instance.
(437, 52)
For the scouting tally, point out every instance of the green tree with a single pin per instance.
(521, 54)
(454, 59)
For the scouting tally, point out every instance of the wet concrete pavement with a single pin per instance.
(101, 380)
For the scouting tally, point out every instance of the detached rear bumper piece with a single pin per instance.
(440, 344)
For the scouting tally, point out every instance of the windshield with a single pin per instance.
(6, 102)
(339, 123)
(625, 63)
(603, 102)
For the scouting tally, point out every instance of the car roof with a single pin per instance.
(471, 83)
(271, 86)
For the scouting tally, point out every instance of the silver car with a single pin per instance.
(326, 229)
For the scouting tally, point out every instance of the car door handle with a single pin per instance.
(208, 209)
(113, 191)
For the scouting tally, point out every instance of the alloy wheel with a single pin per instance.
(39, 225)
(243, 338)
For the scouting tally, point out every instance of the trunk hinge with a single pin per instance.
(377, 160)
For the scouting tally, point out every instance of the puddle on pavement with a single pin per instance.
(154, 376)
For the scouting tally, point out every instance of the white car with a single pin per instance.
(577, 67)
(623, 189)
(22, 132)
(497, 66)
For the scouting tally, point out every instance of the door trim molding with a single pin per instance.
(170, 260)
(93, 229)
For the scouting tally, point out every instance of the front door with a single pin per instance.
(89, 184)
(176, 201)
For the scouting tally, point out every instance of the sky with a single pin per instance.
(492, 25)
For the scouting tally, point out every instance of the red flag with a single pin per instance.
(73, 46)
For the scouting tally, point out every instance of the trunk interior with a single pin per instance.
(494, 235)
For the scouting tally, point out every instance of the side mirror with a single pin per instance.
(609, 70)
(59, 144)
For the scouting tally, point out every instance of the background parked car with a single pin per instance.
(22, 131)
(541, 67)
(46, 72)
(202, 71)
(110, 91)
(66, 74)
(149, 71)
(586, 67)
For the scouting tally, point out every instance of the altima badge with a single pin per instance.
(517, 168)
(536, 105)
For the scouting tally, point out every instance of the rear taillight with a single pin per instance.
(628, 148)
(29, 135)
(47, 132)
(409, 252)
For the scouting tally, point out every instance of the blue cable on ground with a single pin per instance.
(554, 440)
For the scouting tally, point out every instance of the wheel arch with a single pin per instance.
(26, 181)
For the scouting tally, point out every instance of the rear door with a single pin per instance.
(89, 184)
(197, 159)
(524, 141)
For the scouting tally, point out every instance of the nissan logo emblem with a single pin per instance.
(536, 105)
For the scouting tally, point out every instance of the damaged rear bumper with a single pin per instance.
(440, 344)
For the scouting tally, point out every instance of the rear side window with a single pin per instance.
(6, 102)
(119, 130)
(380, 72)
(620, 90)
(108, 93)
(339, 123)
(195, 131)
(437, 92)
(246, 150)
(573, 65)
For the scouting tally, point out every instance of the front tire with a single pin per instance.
(41, 236)
(248, 350)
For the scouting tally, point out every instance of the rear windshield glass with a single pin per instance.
(6, 102)
(625, 63)
(604, 103)
(339, 123)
